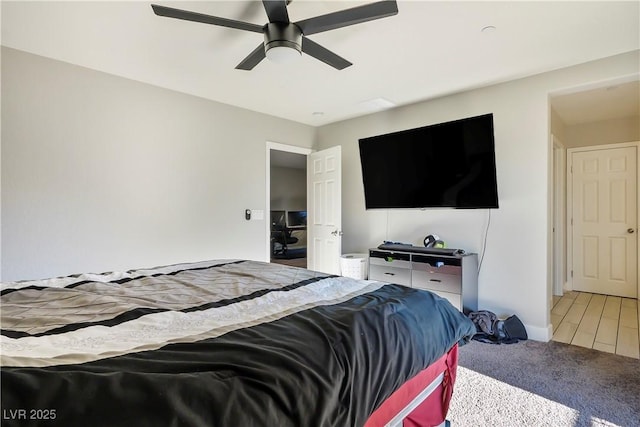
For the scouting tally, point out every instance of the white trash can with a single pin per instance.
(354, 265)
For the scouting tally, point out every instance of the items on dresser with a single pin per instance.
(452, 275)
(407, 247)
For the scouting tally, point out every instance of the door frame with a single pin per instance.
(270, 145)
(559, 216)
(570, 152)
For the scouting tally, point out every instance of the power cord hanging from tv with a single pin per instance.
(484, 240)
(387, 232)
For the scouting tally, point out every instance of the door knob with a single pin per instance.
(630, 230)
(336, 233)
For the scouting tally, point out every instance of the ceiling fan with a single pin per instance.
(283, 38)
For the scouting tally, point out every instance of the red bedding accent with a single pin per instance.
(433, 410)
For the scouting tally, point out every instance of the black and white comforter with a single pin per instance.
(219, 343)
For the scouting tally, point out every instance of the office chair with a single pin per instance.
(280, 234)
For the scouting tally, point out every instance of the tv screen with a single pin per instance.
(448, 164)
(296, 218)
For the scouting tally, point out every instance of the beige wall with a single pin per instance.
(558, 127)
(603, 132)
(102, 173)
(515, 273)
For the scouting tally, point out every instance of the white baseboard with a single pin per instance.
(537, 333)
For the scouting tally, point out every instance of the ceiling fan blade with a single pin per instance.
(325, 55)
(252, 59)
(276, 10)
(343, 18)
(170, 12)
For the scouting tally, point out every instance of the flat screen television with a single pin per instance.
(448, 165)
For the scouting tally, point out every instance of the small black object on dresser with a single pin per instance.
(449, 273)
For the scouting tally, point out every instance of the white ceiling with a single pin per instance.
(429, 49)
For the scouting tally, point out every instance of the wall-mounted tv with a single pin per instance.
(448, 164)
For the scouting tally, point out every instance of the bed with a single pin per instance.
(226, 343)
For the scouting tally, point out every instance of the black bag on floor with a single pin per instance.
(492, 330)
(514, 329)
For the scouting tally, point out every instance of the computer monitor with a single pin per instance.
(296, 219)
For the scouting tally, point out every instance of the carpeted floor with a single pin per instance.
(544, 384)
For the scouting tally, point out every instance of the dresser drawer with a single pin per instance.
(434, 281)
(437, 265)
(386, 273)
(390, 259)
(454, 299)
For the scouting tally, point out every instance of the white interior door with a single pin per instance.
(324, 210)
(604, 216)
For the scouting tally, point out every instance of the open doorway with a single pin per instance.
(593, 119)
(592, 123)
(287, 204)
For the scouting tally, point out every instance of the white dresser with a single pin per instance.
(454, 277)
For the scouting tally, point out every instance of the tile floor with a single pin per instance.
(601, 322)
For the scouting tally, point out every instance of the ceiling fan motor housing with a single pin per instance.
(280, 34)
(285, 40)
